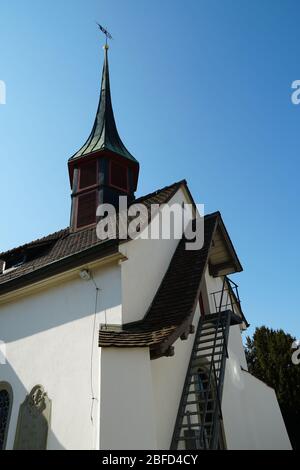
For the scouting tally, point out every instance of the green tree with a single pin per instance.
(269, 356)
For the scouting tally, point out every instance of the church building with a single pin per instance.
(127, 342)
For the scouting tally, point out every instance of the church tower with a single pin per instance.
(103, 169)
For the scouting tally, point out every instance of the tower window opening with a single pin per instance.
(86, 209)
(88, 174)
(119, 176)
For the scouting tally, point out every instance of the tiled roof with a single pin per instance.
(173, 307)
(64, 244)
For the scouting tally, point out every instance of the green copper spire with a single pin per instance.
(104, 135)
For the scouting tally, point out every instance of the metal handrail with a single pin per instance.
(183, 398)
(210, 414)
(233, 298)
(219, 387)
(212, 364)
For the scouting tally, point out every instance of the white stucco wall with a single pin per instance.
(127, 408)
(252, 418)
(168, 375)
(213, 284)
(251, 414)
(236, 349)
(148, 261)
(48, 339)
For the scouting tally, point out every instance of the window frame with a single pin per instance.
(8, 388)
(87, 188)
(127, 176)
(81, 227)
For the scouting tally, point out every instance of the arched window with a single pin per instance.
(5, 409)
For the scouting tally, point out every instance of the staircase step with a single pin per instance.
(209, 348)
(208, 326)
(195, 413)
(188, 438)
(209, 340)
(213, 325)
(206, 437)
(207, 354)
(199, 402)
(191, 374)
(208, 344)
(205, 348)
(193, 438)
(197, 365)
(196, 382)
(196, 425)
(186, 394)
(210, 333)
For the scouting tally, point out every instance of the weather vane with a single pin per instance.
(104, 31)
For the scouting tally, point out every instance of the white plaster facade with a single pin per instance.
(118, 398)
(139, 285)
(49, 338)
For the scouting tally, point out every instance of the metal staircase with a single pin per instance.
(198, 422)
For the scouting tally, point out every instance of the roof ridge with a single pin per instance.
(66, 231)
(154, 193)
(65, 244)
(213, 214)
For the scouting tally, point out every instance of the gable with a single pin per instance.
(172, 310)
(223, 259)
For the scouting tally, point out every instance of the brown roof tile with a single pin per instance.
(64, 244)
(174, 304)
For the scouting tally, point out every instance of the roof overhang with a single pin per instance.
(166, 322)
(57, 271)
(223, 259)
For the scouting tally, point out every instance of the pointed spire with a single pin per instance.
(104, 135)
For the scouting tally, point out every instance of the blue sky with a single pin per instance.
(201, 90)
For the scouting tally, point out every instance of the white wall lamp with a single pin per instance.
(85, 275)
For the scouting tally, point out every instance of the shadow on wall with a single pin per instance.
(60, 305)
(28, 429)
(49, 338)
